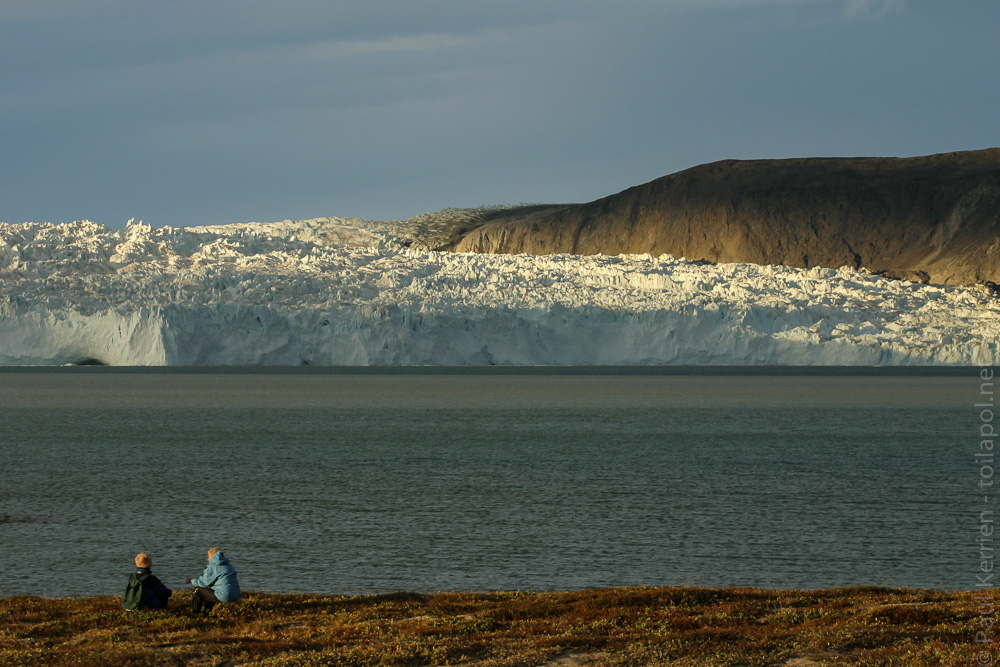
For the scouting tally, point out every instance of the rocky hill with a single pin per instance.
(930, 219)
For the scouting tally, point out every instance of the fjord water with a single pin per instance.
(374, 481)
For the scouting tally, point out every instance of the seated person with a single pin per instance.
(144, 590)
(216, 584)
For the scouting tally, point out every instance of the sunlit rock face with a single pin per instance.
(932, 219)
(353, 292)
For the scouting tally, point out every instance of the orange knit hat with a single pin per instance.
(143, 560)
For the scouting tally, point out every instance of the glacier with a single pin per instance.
(350, 292)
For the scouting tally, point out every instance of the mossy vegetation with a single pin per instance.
(619, 626)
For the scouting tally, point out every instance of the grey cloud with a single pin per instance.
(184, 111)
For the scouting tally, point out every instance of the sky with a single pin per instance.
(219, 111)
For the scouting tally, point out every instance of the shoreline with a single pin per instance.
(924, 370)
(609, 626)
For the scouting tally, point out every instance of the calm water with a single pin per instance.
(378, 482)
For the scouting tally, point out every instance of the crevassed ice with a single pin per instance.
(335, 291)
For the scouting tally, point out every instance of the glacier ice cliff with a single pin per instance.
(334, 291)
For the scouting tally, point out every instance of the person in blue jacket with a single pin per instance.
(217, 583)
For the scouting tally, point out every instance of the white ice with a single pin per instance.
(334, 291)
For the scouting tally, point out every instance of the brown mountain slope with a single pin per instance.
(933, 218)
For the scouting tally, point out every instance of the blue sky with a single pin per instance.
(215, 111)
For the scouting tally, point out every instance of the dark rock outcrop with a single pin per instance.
(934, 219)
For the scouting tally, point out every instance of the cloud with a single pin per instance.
(851, 9)
(250, 109)
(16, 11)
(873, 8)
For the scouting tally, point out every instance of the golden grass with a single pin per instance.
(618, 626)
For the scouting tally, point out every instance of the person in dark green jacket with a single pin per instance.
(144, 590)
